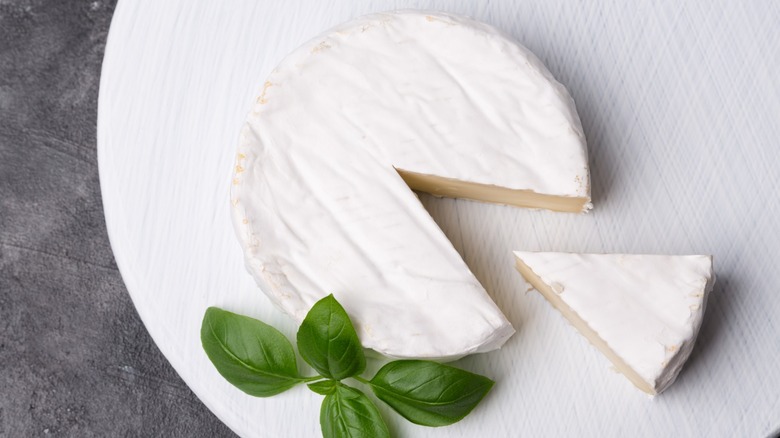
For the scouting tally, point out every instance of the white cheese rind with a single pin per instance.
(647, 308)
(319, 207)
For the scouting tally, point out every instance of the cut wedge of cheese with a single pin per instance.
(352, 120)
(641, 311)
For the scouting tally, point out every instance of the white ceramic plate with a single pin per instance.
(680, 106)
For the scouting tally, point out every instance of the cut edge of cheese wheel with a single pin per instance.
(351, 121)
(642, 312)
(453, 188)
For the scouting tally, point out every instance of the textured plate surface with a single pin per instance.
(680, 106)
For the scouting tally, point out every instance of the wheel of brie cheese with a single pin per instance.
(353, 121)
(642, 312)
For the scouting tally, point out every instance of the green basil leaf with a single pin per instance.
(328, 342)
(250, 354)
(348, 413)
(429, 393)
(324, 387)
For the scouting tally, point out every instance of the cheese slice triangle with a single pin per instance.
(343, 130)
(642, 312)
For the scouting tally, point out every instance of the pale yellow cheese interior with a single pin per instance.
(549, 294)
(453, 188)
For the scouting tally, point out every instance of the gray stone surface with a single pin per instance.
(75, 360)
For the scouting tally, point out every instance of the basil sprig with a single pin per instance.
(259, 360)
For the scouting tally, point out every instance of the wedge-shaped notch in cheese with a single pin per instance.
(642, 311)
(352, 120)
